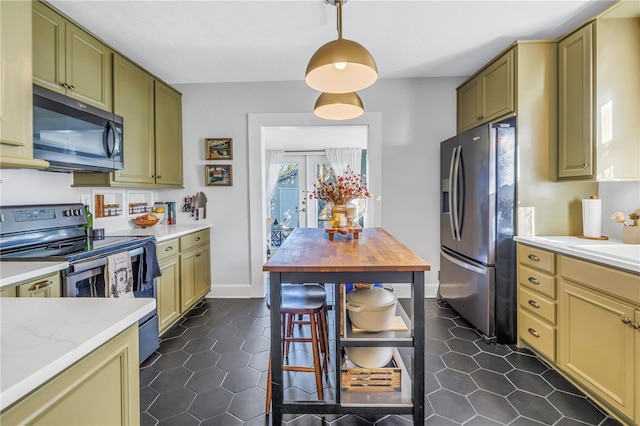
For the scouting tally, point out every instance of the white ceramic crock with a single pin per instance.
(371, 308)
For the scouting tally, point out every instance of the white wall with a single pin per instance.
(617, 197)
(416, 115)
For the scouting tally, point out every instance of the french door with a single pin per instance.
(291, 206)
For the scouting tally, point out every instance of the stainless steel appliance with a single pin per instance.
(56, 232)
(477, 222)
(73, 136)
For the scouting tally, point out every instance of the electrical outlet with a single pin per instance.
(85, 199)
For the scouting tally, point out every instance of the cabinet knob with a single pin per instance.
(635, 325)
(65, 85)
(585, 166)
(533, 280)
(534, 258)
(534, 333)
(159, 177)
(534, 304)
(153, 176)
(72, 87)
(625, 320)
(197, 238)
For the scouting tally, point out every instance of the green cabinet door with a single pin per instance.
(469, 105)
(168, 131)
(203, 275)
(168, 286)
(88, 69)
(575, 105)
(498, 90)
(188, 292)
(70, 61)
(133, 100)
(48, 48)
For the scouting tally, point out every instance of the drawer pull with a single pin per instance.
(534, 258)
(533, 280)
(41, 285)
(169, 248)
(534, 304)
(625, 320)
(197, 238)
(534, 333)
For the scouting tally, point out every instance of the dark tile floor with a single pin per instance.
(211, 368)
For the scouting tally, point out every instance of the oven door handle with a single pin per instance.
(101, 261)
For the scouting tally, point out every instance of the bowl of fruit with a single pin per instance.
(146, 220)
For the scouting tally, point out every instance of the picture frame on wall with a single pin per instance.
(218, 175)
(219, 148)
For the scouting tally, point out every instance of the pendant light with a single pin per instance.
(338, 106)
(341, 66)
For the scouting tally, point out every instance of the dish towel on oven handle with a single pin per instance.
(119, 275)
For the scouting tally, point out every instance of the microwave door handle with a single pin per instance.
(454, 196)
(451, 191)
(110, 136)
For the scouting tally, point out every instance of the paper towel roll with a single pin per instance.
(591, 218)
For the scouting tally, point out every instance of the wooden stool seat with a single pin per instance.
(303, 299)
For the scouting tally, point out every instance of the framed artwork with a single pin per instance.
(218, 175)
(218, 148)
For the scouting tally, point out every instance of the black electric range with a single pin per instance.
(55, 232)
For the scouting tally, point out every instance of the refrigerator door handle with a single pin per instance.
(451, 193)
(464, 265)
(454, 195)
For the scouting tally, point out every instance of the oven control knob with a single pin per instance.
(77, 212)
(68, 212)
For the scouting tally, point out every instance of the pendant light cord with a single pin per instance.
(339, 4)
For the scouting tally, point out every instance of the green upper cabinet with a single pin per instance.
(575, 101)
(168, 130)
(70, 61)
(488, 95)
(16, 88)
(152, 113)
(133, 99)
(599, 97)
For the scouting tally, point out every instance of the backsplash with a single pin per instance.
(617, 197)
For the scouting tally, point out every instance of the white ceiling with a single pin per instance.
(240, 40)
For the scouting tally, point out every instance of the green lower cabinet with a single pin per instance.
(102, 388)
(186, 275)
(168, 287)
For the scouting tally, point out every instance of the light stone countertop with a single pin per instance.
(40, 337)
(17, 271)
(612, 253)
(161, 232)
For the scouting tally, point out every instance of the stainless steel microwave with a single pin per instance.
(73, 136)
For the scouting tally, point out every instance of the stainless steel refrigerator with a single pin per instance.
(477, 222)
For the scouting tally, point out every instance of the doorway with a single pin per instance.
(260, 127)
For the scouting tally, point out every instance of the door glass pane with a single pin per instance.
(284, 203)
(323, 174)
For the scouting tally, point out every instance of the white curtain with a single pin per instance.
(340, 158)
(273, 164)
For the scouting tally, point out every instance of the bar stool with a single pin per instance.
(303, 299)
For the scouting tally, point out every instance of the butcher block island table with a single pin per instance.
(308, 256)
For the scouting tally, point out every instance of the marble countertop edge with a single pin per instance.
(568, 245)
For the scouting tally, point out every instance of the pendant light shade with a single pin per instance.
(339, 106)
(341, 66)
